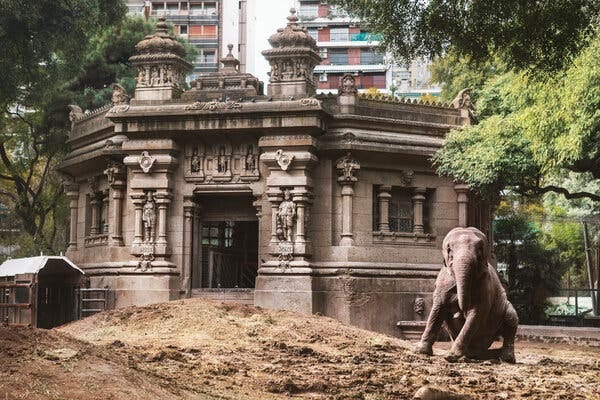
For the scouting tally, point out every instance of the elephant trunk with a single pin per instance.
(463, 271)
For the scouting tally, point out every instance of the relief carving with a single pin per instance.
(283, 160)
(222, 162)
(149, 218)
(213, 105)
(346, 168)
(146, 162)
(286, 216)
(347, 85)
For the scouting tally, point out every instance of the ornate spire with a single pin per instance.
(230, 63)
(293, 59)
(161, 65)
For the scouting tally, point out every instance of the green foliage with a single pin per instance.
(533, 270)
(531, 131)
(540, 35)
(107, 61)
(42, 43)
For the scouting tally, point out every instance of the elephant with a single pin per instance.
(470, 299)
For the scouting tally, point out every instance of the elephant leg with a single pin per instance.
(461, 344)
(438, 314)
(508, 333)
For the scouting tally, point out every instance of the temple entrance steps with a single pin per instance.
(232, 295)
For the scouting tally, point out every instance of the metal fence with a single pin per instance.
(574, 307)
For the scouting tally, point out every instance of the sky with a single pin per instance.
(269, 16)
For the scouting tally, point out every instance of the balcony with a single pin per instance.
(187, 15)
(350, 68)
(203, 39)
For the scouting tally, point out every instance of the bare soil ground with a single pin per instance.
(197, 349)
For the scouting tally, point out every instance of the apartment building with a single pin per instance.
(344, 48)
(201, 22)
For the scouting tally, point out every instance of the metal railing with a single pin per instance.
(574, 307)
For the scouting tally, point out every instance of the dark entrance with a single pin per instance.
(225, 242)
(229, 254)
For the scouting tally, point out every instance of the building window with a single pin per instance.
(313, 32)
(323, 52)
(370, 57)
(309, 10)
(203, 31)
(218, 234)
(183, 29)
(338, 56)
(401, 215)
(339, 34)
(209, 56)
(400, 211)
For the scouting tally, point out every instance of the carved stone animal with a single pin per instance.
(471, 300)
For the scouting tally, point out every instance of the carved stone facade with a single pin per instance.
(323, 204)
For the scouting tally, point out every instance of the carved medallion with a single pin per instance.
(283, 160)
(146, 162)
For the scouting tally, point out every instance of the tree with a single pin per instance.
(533, 270)
(42, 43)
(533, 132)
(540, 35)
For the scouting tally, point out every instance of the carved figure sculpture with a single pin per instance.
(250, 159)
(119, 95)
(285, 216)
(195, 167)
(470, 299)
(347, 85)
(149, 218)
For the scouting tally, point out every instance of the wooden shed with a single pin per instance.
(41, 292)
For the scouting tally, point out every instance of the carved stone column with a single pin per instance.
(163, 198)
(116, 180)
(347, 200)
(301, 198)
(275, 197)
(418, 199)
(190, 210)
(72, 191)
(462, 198)
(94, 206)
(138, 199)
(105, 210)
(347, 168)
(384, 196)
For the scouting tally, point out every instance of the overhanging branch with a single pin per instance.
(566, 193)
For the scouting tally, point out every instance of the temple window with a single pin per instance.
(401, 215)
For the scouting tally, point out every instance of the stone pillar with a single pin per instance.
(418, 199)
(347, 168)
(163, 198)
(138, 199)
(116, 181)
(384, 196)
(72, 192)
(462, 198)
(105, 210)
(275, 197)
(347, 197)
(189, 209)
(117, 212)
(94, 207)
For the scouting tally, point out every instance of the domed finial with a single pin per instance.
(161, 27)
(230, 63)
(292, 17)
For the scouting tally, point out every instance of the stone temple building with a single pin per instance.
(314, 203)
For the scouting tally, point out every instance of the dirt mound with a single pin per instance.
(40, 364)
(241, 352)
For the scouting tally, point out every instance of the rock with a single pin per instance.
(432, 393)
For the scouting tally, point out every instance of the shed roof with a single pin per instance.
(32, 265)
